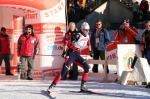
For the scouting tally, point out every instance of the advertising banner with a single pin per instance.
(48, 18)
(111, 52)
(50, 26)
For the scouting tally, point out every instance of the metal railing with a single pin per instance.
(93, 4)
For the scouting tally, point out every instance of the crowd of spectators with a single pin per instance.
(78, 9)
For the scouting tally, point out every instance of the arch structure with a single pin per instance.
(37, 4)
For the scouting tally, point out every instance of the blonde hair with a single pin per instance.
(71, 23)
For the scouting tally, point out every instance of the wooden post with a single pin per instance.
(105, 71)
(103, 62)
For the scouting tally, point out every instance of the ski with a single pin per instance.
(87, 92)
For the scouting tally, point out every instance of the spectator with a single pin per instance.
(144, 7)
(27, 49)
(145, 42)
(5, 50)
(99, 39)
(70, 10)
(126, 34)
(73, 72)
(136, 13)
(79, 10)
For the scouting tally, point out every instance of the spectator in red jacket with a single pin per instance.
(126, 34)
(27, 49)
(5, 50)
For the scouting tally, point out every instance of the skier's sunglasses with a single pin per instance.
(126, 21)
(148, 25)
(98, 24)
(86, 30)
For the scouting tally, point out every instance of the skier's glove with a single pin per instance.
(64, 54)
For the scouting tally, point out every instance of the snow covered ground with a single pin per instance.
(23, 89)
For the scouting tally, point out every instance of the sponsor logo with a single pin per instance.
(50, 72)
(54, 47)
(128, 59)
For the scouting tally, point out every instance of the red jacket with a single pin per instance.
(67, 39)
(127, 36)
(4, 44)
(27, 45)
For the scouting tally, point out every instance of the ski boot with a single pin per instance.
(148, 85)
(50, 88)
(83, 87)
